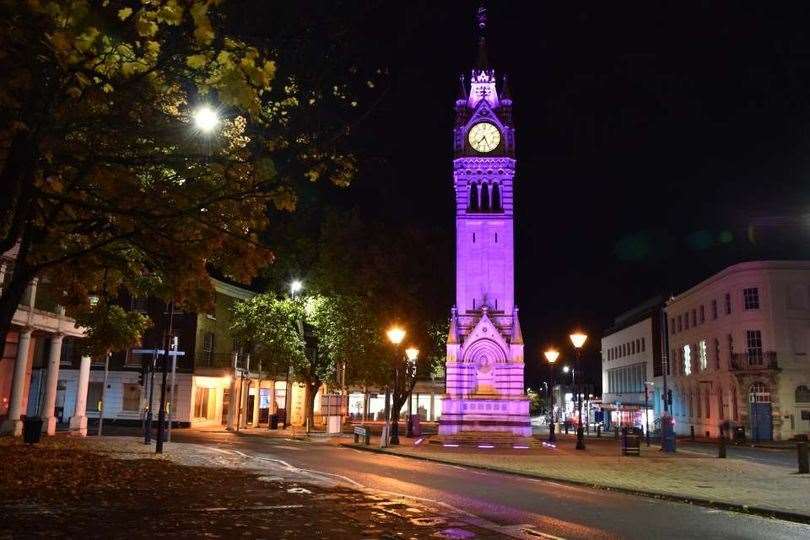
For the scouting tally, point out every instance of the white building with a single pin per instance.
(738, 348)
(631, 360)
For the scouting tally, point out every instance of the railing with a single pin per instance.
(206, 359)
(753, 361)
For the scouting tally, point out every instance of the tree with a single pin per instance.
(102, 169)
(312, 335)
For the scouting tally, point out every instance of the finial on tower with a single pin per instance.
(481, 17)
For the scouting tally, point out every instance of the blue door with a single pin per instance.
(761, 422)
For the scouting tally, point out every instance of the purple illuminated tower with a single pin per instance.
(484, 393)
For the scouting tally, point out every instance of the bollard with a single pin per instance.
(804, 466)
(598, 431)
(692, 432)
(721, 452)
(616, 433)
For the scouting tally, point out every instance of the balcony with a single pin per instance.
(754, 362)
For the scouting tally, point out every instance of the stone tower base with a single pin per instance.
(489, 415)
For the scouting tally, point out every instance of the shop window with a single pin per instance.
(201, 397)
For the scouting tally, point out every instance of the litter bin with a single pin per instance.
(273, 421)
(739, 434)
(32, 429)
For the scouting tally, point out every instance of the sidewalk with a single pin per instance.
(731, 483)
(116, 487)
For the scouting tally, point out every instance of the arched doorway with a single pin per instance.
(761, 418)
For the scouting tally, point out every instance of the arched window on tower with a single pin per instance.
(496, 197)
(485, 197)
(473, 204)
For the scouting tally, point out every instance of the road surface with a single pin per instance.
(523, 506)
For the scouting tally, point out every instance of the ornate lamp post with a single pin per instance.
(395, 335)
(551, 356)
(578, 340)
(412, 354)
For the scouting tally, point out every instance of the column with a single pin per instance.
(13, 424)
(256, 405)
(78, 422)
(233, 406)
(49, 404)
(244, 389)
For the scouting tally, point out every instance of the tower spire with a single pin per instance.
(481, 17)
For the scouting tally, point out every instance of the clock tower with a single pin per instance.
(485, 398)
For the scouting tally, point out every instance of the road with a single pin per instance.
(767, 456)
(531, 507)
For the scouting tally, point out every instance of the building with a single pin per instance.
(632, 367)
(738, 348)
(40, 341)
(484, 366)
(212, 375)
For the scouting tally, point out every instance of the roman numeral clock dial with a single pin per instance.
(484, 137)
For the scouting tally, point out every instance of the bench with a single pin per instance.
(364, 432)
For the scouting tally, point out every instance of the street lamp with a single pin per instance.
(296, 286)
(578, 340)
(412, 354)
(395, 335)
(206, 119)
(551, 356)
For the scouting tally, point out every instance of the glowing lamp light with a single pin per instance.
(206, 119)
(551, 355)
(578, 339)
(412, 353)
(296, 286)
(566, 369)
(486, 446)
(395, 335)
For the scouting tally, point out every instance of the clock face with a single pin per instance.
(484, 137)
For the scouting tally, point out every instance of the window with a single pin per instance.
(686, 321)
(698, 403)
(672, 325)
(759, 393)
(751, 298)
(707, 397)
(94, 391)
(485, 197)
(208, 345)
(714, 310)
(716, 353)
(753, 342)
(496, 198)
(201, 403)
(643, 346)
(720, 405)
(730, 345)
(703, 361)
(702, 314)
(802, 394)
(473, 206)
(673, 361)
(680, 325)
(694, 318)
(734, 412)
(728, 304)
(132, 397)
(687, 360)
(638, 346)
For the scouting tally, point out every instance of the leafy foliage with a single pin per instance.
(102, 168)
(110, 328)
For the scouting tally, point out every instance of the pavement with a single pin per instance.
(511, 505)
(740, 482)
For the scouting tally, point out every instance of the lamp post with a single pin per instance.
(578, 340)
(395, 335)
(551, 356)
(296, 286)
(412, 354)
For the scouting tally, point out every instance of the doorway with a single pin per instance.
(761, 413)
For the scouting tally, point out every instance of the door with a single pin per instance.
(761, 422)
(250, 403)
(226, 405)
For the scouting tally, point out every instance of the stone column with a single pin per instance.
(244, 387)
(256, 405)
(47, 413)
(432, 416)
(13, 424)
(78, 422)
(233, 406)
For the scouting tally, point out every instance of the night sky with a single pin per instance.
(655, 145)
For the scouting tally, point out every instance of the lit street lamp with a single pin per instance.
(578, 340)
(395, 335)
(296, 286)
(206, 119)
(551, 356)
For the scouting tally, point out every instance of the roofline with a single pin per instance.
(741, 267)
(232, 290)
